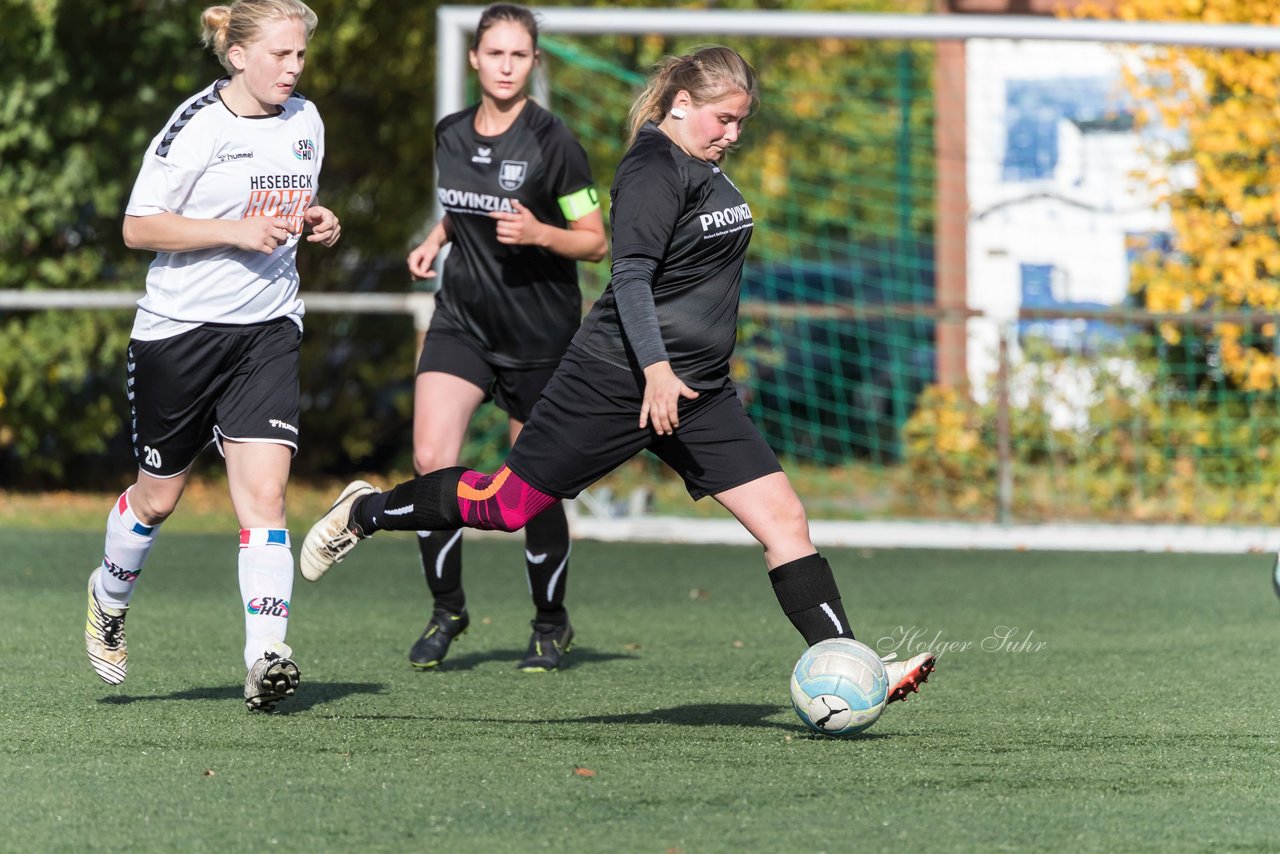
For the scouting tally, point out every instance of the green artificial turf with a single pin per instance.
(1131, 708)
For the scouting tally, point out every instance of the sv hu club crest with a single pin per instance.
(304, 149)
(511, 174)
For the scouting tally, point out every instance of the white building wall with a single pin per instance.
(1076, 217)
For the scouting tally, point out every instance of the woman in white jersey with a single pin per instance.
(520, 211)
(223, 197)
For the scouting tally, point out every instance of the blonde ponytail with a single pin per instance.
(708, 74)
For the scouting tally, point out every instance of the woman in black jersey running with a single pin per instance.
(649, 367)
(520, 212)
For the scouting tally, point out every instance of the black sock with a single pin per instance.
(807, 591)
(429, 502)
(442, 567)
(546, 541)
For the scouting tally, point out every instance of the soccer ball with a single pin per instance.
(839, 687)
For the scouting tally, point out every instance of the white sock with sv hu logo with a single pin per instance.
(266, 585)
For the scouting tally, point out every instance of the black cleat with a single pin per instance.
(1275, 576)
(433, 646)
(547, 645)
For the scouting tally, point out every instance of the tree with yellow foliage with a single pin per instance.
(1225, 106)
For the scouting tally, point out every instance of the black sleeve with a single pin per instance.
(646, 202)
(440, 127)
(568, 170)
(632, 286)
(647, 199)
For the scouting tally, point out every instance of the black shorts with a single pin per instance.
(586, 425)
(513, 390)
(214, 382)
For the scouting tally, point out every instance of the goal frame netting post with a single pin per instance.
(951, 32)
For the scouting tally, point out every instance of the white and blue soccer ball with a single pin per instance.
(839, 687)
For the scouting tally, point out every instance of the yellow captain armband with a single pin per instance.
(579, 204)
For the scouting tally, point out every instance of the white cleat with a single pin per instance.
(104, 637)
(271, 679)
(330, 539)
(906, 677)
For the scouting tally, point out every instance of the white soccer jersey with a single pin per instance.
(209, 163)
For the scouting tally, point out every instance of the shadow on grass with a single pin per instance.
(310, 694)
(712, 714)
(470, 660)
(701, 714)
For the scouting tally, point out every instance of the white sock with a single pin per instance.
(127, 544)
(266, 584)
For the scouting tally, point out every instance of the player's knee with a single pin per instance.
(427, 460)
(493, 517)
(152, 506)
(511, 524)
(501, 501)
(266, 499)
(792, 519)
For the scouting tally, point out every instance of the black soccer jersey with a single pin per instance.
(520, 304)
(687, 215)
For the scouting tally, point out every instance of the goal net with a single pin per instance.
(1004, 269)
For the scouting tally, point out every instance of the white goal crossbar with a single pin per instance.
(454, 23)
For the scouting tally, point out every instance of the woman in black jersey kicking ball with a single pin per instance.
(520, 212)
(648, 369)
